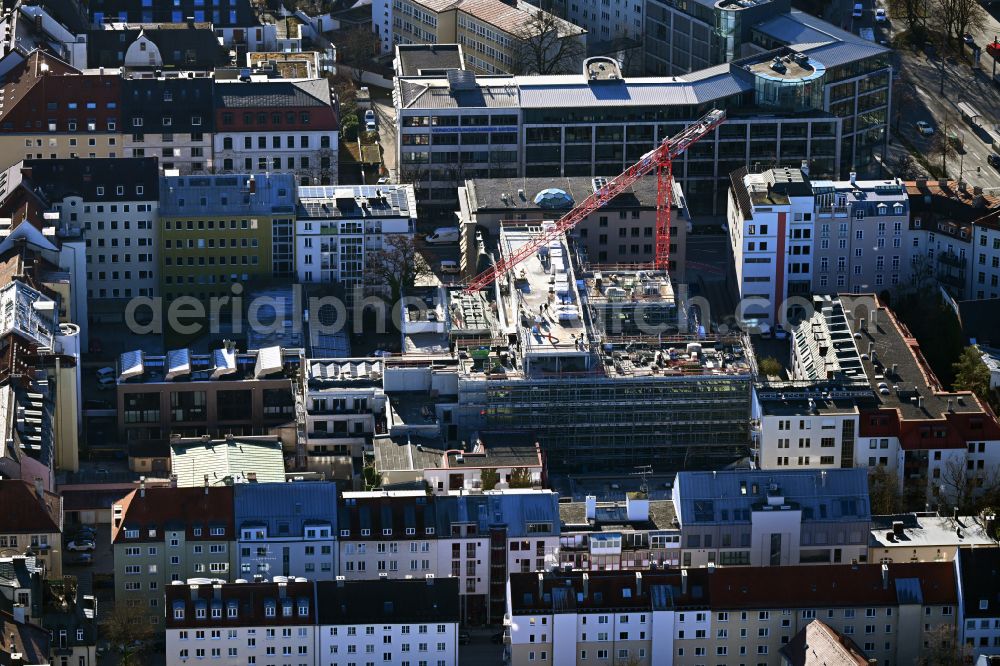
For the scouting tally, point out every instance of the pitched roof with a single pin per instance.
(181, 509)
(593, 591)
(388, 601)
(285, 508)
(23, 510)
(980, 572)
(18, 83)
(180, 46)
(725, 496)
(927, 583)
(816, 644)
(96, 179)
(30, 641)
(272, 94)
(226, 461)
(251, 601)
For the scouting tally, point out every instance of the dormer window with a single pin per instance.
(138, 189)
(179, 613)
(365, 532)
(131, 534)
(269, 610)
(167, 121)
(387, 531)
(429, 530)
(216, 613)
(199, 613)
(217, 531)
(100, 191)
(345, 533)
(303, 609)
(410, 531)
(231, 611)
(196, 531)
(286, 609)
(120, 190)
(984, 604)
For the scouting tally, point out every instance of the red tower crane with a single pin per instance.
(660, 158)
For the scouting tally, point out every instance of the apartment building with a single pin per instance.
(597, 122)
(151, 46)
(276, 125)
(56, 111)
(923, 537)
(32, 524)
(338, 227)
(405, 622)
(497, 37)
(50, 27)
(162, 535)
(112, 204)
(220, 230)
(191, 395)
(636, 534)
(344, 409)
(170, 119)
(622, 232)
(513, 457)
(286, 529)
(728, 616)
(23, 643)
(241, 623)
(772, 518)
(793, 236)
(979, 600)
(956, 237)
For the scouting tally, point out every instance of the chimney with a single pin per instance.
(920, 402)
(429, 579)
(637, 507)
(854, 178)
(251, 477)
(340, 581)
(194, 591)
(142, 485)
(217, 592)
(586, 586)
(541, 586)
(20, 613)
(638, 583)
(885, 576)
(897, 528)
(805, 168)
(684, 581)
(591, 505)
(951, 406)
(173, 480)
(39, 488)
(874, 324)
(206, 484)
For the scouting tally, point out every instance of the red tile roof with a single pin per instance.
(23, 512)
(181, 509)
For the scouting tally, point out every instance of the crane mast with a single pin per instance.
(660, 158)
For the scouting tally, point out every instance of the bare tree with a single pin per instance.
(398, 265)
(357, 46)
(958, 17)
(906, 167)
(546, 44)
(942, 648)
(968, 491)
(910, 12)
(883, 491)
(129, 632)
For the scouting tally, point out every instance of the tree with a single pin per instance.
(769, 366)
(942, 145)
(373, 478)
(907, 168)
(349, 127)
(546, 44)
(971, 374)
(911, 12)
(520, 477)
(128, 631)
(967, 491)
(398, 265)
(943, 648)
(489, 478)
(356, 47)
(958, 17)
(883, 492)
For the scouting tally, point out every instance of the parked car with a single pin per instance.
(779, 332)
(384, 180)
(449, 266)
(880, 15)
(106, 378)
(968, 39)
(369, 116)
(925, 128)
(858, 10)
(82, 558)
(993, 160)
(81, 546)
(87, 530)
(370, 126)
(443, 235)
(464, 638)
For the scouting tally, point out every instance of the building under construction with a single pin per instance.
(593, 365)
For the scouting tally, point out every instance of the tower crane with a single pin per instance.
(660, 158)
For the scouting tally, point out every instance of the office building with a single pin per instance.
(831, 112)
(171, 119)
(220, 230)
(57, 111)
(792, 235)
(244, 623)
(771, 518)
(338, 228)
(112, 205)
(279, 126)
(194, 395)
(622, 233)
(161, 535)
(287, 529)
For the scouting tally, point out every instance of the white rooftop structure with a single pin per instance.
(823, 346)
(268, 361)
(178, 363)
(27, 313)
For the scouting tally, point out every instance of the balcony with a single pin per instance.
(951, 259)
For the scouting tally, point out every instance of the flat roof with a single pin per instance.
(543, 299)
(921, 530)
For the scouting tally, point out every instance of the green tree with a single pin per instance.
(349, 127)
(520, 477)
(971, 374)
(373, 478)
(770, 366)
(489, 478)
(883, 492)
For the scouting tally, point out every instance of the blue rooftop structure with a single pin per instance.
(727, 497)
(523, 514)
(552, 197)
(285, 508)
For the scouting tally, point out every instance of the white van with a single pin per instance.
(449, 266)
(443, 235)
